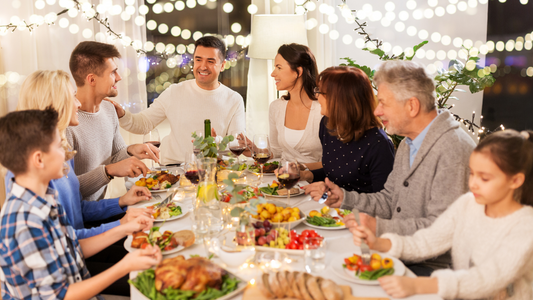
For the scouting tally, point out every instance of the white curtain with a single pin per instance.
(48, 47)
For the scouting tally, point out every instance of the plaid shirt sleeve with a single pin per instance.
(30, 256)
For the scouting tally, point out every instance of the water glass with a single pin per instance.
(315, 254)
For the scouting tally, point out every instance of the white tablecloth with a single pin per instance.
(339, 242)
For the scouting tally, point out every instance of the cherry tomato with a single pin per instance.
(300, 247)
(313, 234)
(145, 245)
(351, 267)
(241, 192)
(363, 268)
(293, 246)
(301, 239)
(359, 263)
(168, 247)
(256, 190)
(347, 261)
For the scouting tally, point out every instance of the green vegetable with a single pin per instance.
(175, 210)
(375, 274)
(269, 190)
(321, 221)
(145, 283)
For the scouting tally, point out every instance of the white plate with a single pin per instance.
(300, 191)
(338, 261)
(176, 171)
(127, 246)
(184, 210)
(323, 227)
(240, 287)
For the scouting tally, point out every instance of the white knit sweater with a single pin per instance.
(186, 106)
(309, 148)
(490, 255)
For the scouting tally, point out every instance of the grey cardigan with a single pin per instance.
(413, 197)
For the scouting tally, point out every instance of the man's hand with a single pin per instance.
(134, 195)
(140, 223)
(317, 189)
(131, 167)
(120, 111)
(368, 221)
(133, 212)
(143, 151)
(141, 259)
(398, 286)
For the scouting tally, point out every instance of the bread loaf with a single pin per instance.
(275, 286)
(183, 238)
(313, 288)
(291, 277)
(298, 285)
(331, 290)
(284, 283)
(264, 286)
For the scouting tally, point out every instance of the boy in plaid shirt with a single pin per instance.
(40, 255)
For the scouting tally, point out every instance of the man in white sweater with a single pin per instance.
(187, 104)
(102, 152)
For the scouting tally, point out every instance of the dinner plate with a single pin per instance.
(184, 210)
(324, 227)
(338, 261)
(129, 248)
(176, 171)
(240, 287)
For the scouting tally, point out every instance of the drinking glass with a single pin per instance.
(288, 175)
(315, 254)
(261, 150)
(238, 145)
(195, 149)
(152, 137)
(190, 166)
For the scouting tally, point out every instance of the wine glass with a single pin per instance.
(288, 175)
(195, 149)
(238, 145)
(152, 137)
(190, 167)
(261, 150)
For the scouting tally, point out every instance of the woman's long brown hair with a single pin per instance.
(350, 102)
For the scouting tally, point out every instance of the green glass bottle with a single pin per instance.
(211, 145)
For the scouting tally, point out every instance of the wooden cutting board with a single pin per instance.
(254, 293)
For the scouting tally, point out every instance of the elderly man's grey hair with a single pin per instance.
(406, 79)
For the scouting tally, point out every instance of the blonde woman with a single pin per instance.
(54, 88)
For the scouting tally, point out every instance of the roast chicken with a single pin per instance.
(194, 274)
(168, 177)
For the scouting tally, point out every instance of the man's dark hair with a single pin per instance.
(22, 132)
(90, 57)
(212, 42)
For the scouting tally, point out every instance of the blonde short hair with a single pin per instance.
(50, 88)
(407, 79)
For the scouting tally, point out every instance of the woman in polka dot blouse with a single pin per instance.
(357, 154)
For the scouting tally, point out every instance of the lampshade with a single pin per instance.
(269, 32)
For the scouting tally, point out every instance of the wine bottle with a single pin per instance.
(211, 145)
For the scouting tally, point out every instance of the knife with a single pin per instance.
(365, 251)
(167, 199)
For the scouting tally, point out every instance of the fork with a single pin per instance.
(167, 199)
(365, 251)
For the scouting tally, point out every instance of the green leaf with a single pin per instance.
(236, 211)
(233, 176)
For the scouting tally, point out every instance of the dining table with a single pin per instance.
(339, 243)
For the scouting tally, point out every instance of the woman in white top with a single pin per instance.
(295, 118)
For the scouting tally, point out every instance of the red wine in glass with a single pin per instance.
(192, 176)
(155, 143)
(237, 150)
(261, 158)
(287, 181)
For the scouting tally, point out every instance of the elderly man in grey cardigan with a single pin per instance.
(431, 165)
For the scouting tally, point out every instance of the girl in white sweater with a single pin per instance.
(489, 230)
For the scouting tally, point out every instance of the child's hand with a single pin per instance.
(398, 286)
(142, 259)
(134, 195)
(360, 233)
(134, 212)
(140, 223)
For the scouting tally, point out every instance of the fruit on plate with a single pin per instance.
(276, 214)
(281, 238)
(285, 284)
(166, 241)
(377, 268)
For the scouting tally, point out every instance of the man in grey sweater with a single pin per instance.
(431, 165)
(102, 152)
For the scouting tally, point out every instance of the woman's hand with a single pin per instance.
(142, 259)
(134, 195)
(134, 212)
(317, 189)
(120, 111)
